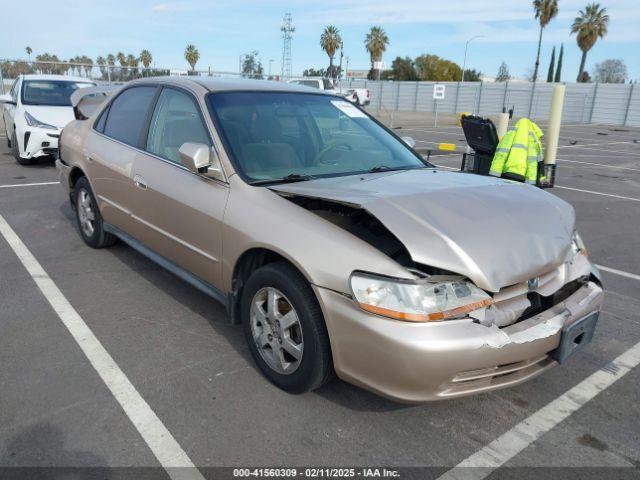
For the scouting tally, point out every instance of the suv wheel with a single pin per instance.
(16, 151)
(285, 329)
(88, 216)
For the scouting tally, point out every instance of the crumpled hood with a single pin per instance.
(56, 116)
(495, 232)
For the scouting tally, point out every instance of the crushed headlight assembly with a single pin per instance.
(425, 300)
(577, 245)
(34, 122)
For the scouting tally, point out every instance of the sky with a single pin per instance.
(222, 30)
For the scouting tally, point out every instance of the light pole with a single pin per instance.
(464, 63)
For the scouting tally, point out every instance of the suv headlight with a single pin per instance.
(577, 245)
(34, 122)
(425, 300)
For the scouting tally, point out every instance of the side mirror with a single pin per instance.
(6, 98)
(200, 158)
(409, 141)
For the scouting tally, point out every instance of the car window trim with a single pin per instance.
(198, 109)
(107, 108)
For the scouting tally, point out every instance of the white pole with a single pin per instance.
(503, 125)
(555, 120)
(466, 46)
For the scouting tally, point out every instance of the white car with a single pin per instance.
(35, 111)
(357, 96)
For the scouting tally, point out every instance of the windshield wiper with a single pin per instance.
(291, 178)
(385, 168)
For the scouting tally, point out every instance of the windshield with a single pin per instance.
(55, 93)
(272, 135)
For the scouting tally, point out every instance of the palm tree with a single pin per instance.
(590, 24)
(29, 51)
(111, 61)
(330, 42)
(545, 11)
(146, 58)
(192, 56)
(376, 43)
(101, 62)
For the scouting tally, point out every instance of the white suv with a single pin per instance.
(35, 111)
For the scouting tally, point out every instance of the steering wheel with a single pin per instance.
(329, 147)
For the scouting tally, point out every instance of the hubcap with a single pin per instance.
(86, 217)
(276, 330)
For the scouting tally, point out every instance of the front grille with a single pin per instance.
(516, 303)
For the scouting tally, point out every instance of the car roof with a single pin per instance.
(68, 78)
(213, 84)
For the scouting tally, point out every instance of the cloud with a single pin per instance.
(160, 8)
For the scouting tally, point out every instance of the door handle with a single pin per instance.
(140, 182)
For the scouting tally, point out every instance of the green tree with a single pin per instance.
(330, 41)
(376, 42)
(590, 24)
(472, 75)
(252, 66)
(503, 73)
(402, 69)
(191, 55)
(544, 10)
(29, 52)
(551, 66)
(434, 68)
(559, 67)
(313, 72)
(102, 65)
(146, 58)
(111, 61)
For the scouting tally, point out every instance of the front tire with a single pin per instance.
(285, 330)
(88, 216)
(16, 151)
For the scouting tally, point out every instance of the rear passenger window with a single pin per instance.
(127, 115)
(99, 126)
(176, 120)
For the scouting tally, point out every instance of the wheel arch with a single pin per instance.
(247, 263)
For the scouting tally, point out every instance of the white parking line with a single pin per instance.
(615, 271)
(166, 449)
(482, 463)
(599, 193)
(595, 144)
(28, 184)
(600, 165)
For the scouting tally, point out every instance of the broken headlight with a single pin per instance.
(577, 245)
(424, 300)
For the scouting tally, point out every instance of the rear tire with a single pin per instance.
(16, 151)
(88, 216)
(294, 355)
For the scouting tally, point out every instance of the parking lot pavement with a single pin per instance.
(194, 371)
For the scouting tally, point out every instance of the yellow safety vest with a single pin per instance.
(519, 152)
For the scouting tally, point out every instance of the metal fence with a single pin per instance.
(611, 104)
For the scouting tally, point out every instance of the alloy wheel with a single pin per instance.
(86, 215)
(276, 330)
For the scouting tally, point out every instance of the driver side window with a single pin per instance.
(176, 120)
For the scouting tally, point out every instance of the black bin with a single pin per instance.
(482, 137)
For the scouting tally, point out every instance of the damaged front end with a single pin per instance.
(454, 338)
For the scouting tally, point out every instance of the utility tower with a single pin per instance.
(287, 30)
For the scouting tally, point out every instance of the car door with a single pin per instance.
(180, 212)
(110, 151)
(9, 110)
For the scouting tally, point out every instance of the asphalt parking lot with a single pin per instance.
(194, 372)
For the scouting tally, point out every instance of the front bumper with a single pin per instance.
(418, 362)
(38, 142)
